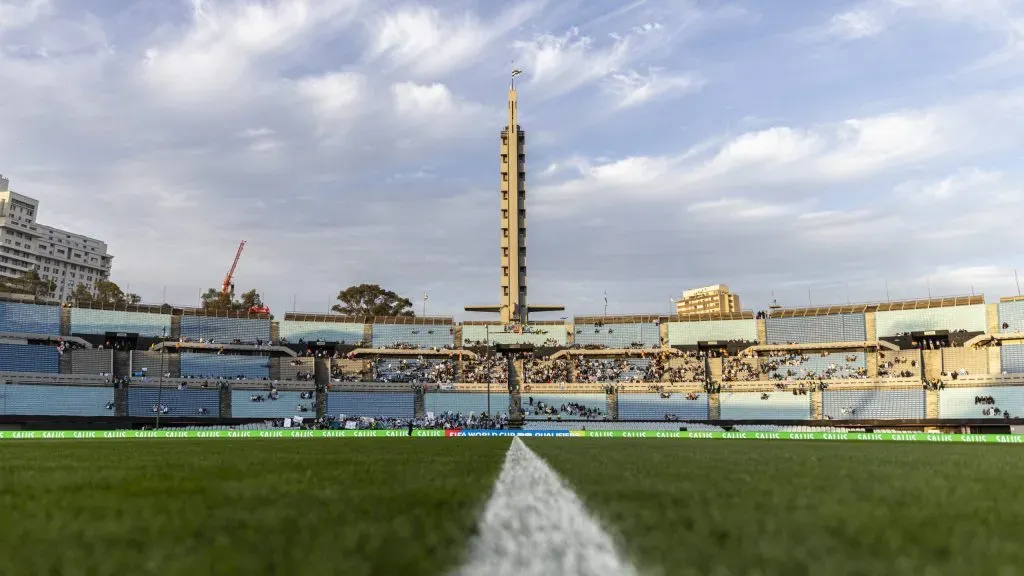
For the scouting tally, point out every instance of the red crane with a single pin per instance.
(227, 287)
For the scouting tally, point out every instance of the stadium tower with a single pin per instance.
(513, 308)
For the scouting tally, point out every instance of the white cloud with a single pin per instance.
(856, 24)
(966, 182)
(739, 209)
(631, 88)
(426, 42)
(560, 64)
(20, 13)
(223, 42)
(333, 94)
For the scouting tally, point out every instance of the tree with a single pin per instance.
(81, 295)
(30, 283)
(372, 300)
(216, 301)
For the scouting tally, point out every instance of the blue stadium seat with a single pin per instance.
(419, 336)
(198, 365)
(46, 400)
(751, 406)
(285, 406)
(29, 318)
(816, 329)
(813, 365)
(465, 403)
(690, 333)
(970, 318)
(1012, 359)
(225, 330)
(341, 333)
(651, 406)
(962, 403)
(29, 358)
(99, 322)
(180, 403)
(1011, 314)
(873, 404)
(643, 334)
(370, 404)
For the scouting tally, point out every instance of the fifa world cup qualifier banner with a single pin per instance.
(651, 434)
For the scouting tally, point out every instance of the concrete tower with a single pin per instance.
(513, 215)
(513, 308)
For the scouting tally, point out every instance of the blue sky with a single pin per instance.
(781, 147)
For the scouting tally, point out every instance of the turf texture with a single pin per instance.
(791, 508)
(409, 506)
(199, 507)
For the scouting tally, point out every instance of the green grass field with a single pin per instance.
(409, 506)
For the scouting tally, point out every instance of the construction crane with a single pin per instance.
(228, 288)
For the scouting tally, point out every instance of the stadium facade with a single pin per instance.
(947, 361)
(67, 258)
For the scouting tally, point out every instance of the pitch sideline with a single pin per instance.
(535, 525)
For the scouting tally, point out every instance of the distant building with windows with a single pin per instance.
(66, 258)
(708, 300)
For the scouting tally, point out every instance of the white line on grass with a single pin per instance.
(535, 525)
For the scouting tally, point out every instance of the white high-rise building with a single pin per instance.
(67, 258)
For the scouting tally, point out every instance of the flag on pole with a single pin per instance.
(516, 72)
(606, 298)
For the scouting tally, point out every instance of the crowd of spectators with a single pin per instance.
(540, 371)
(573, 410)
(895, 366)
(488, 369)
(735, 369)
(414, 370)
(792, 366)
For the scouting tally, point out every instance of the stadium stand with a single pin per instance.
(413, 370)
(198, 365)
(1012, 359)
(873, 404)
(816, 329)
(1011, 317)
(631, 335)
(91, 361)
(654, 406)
(465, 402)
(690, 333)
(29, 358)
(294, 331)
(263, 404)
(370, 404)
(187, 403)
(981, 402)
(899, 364)
(29, 318)
(413, 336)
(814, 365)
(614, 370)
(895, 322)
(539, 335)
(565, 406)
(100, 322)
(301, 369)
(225, 330)
(47, 400)
(764, 406)
(964, 361)
(150, 362)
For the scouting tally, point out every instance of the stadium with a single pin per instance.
(198, 440)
